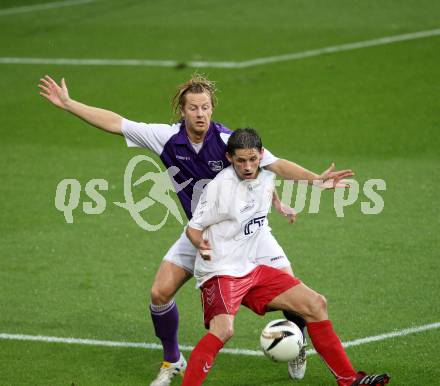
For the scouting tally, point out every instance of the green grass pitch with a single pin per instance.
(375, 110)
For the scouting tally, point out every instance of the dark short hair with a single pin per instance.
(244, 139)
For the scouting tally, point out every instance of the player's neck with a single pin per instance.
(195, 137)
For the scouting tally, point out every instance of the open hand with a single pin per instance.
(49, 89)
(287, 211)
(335, 179)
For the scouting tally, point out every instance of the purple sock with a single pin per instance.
(166, 323)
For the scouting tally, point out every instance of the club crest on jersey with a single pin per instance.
(216, 166)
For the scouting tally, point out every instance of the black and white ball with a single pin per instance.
(281, 340)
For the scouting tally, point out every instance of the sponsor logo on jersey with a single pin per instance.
(184, 158)
(248, 206)
(256, 222)
(215, 166)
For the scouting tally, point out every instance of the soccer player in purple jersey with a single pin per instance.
(197, 146)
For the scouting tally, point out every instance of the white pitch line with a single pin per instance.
(155, 346)
(223, 64)
(389, 335)
(41, 7)
(341, 48)
(90, 62)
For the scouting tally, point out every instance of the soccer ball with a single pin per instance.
(281, 340)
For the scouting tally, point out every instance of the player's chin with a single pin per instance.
(200, 128)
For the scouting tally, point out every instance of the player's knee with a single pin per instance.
(223, 329)
(318, 307)
(225, 333)
(159, 295)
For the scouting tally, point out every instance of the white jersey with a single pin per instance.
(232, 213)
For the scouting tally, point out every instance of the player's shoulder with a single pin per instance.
(162, 130)
(222, 131)
(165, 126)
(221, 128)
(267, 174)
(226, 174)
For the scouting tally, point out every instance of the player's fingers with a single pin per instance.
(343, 173)
(205, 253)
(331, 167)
(343, 183)
(44, 95)
(45, 81)
(50, 80)
(44, 88)
(325, 175)
(63, 83)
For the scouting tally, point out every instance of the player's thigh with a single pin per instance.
(267, 284)
(175, 270)
(169, 278)
(302, 300)
(270, 253)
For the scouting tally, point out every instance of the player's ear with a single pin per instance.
(228, 157)
(261, 152)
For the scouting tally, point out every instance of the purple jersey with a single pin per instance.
(174, 148)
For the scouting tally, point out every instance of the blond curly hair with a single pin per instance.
(197, 84)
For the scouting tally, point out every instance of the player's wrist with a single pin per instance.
(68, 104)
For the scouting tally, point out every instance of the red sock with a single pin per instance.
(201, 360)
(328, 345)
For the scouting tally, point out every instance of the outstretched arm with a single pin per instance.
(59, 97)
(291, 171)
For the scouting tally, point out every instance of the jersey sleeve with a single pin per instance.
(152, 136)
(268, 158)
(208, 210)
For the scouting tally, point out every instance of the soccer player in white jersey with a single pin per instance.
(229, 227)
(197, 146)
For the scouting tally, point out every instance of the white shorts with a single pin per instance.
(183, 253)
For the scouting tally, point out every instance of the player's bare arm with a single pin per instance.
(196, 238)
(58, 95)
(283, 209)
(330, 178)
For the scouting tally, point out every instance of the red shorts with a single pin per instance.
(225, 294)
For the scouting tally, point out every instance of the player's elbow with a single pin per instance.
(194, 235)
(189, 233)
